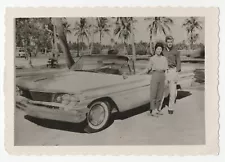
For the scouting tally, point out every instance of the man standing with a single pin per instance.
(174, 63)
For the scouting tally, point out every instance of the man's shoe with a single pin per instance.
(170, 112)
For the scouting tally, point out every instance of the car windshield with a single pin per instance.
(117, 65)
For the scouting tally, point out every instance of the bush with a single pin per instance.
(113, 52)
(96, 48)
(202, 52)
(141, 49)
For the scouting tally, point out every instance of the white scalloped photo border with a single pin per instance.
(211, 80)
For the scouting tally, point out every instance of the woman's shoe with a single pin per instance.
(153, 113)
(159, 112)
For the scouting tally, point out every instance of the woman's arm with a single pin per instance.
(147, 69)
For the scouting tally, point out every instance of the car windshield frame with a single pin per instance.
(106, 60)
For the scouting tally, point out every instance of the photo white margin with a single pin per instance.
(211, 80)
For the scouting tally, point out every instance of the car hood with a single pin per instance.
(74, 82)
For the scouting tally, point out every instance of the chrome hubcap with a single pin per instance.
(96, 115)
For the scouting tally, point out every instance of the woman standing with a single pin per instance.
(158, 65)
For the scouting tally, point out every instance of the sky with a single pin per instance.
(141, 32)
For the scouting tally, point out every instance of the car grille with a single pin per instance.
(26, 94)
(41, 96)
(37, 96)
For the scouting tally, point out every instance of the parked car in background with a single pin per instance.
(94, 88)
(20, 52)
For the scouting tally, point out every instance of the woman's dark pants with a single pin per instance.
(157, 89)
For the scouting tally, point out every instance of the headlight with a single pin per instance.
(19, 92)
(67, 99)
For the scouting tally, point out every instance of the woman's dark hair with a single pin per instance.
(159, 44)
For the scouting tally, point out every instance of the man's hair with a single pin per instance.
(168, 38)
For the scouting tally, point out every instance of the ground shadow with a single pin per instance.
(80, 127)
(136, 111)
(183, 94)
(53, 124)
(180, 94)
(131, 113)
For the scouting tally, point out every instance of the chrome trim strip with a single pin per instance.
(42, 103)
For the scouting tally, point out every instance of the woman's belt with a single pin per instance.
(161, 71)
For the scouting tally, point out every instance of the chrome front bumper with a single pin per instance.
(50, 110)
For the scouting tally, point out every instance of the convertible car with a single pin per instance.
(94, 88)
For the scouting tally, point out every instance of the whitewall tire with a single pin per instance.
(98, 116)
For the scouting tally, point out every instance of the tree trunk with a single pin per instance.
(125, 52)
(36, 52)
(92, 36)
(192, 42)
(52, 42)
(63, 42)
(82, 47)
(133, 46)
(150, 45)
(100, 42)
(28, 53)
(45, 51)
(125, 49)
(30, 65)
(88, 44)
(55, 41)
(92, 43)
(78, 48)
(191, 39)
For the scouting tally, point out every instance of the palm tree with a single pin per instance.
(132, 21)
(92, 31)
(67, 27)
(102, 27)
(50, 28)
(191, 25)
(132, 42)
(63, 41)
(158, 25)
(82, 31)
(67, 30)
(124, 29)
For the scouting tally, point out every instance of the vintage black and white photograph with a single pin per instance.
(109, 81)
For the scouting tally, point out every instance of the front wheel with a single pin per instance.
(98, 116)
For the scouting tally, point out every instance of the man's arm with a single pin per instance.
(166, 65)
(178, 61)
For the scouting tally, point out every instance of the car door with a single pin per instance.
(133, 92)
